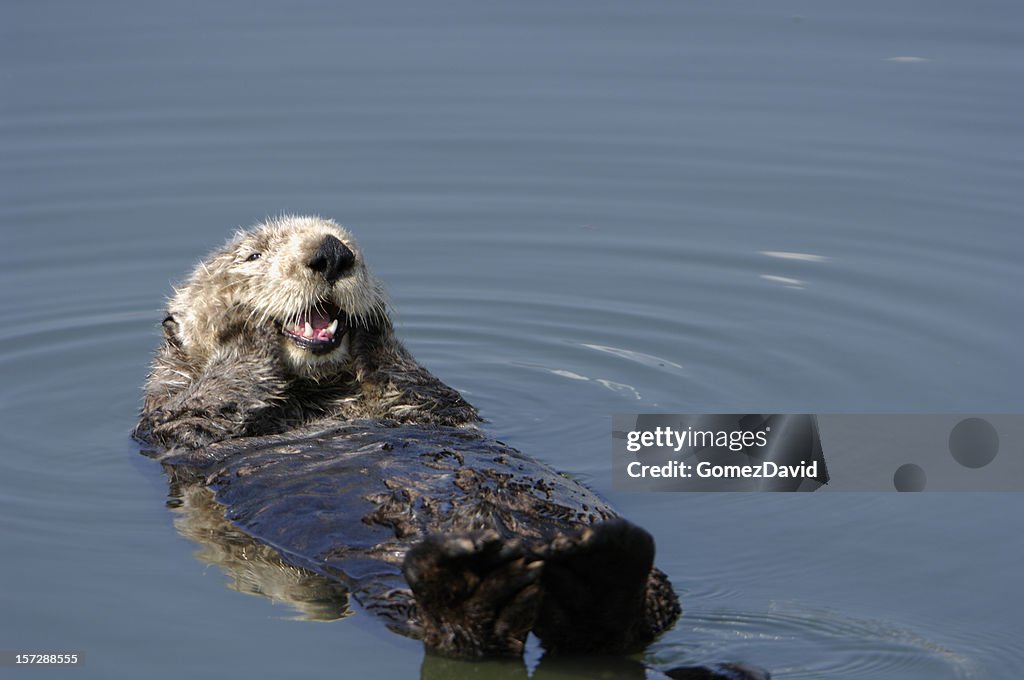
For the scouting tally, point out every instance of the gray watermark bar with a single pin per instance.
(803, 452)
(50, 658)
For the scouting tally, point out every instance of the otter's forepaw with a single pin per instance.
(190, 432)
(595, 584)
(477, 595)
(250, 346)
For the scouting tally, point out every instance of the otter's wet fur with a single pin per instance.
(280, 384)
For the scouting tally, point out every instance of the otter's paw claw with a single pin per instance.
(190, 432)
(477, 595)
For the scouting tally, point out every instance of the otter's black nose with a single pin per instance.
(333, 259)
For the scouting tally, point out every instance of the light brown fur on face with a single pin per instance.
(262, 276)
(234, 361)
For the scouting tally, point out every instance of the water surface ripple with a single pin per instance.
(577, 210)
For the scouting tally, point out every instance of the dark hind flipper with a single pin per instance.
(476, 595)
(601, 592)
(720, 671)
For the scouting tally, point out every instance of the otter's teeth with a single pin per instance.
(307, 332)
(333, 327)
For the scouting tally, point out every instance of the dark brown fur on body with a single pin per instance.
(309, 449)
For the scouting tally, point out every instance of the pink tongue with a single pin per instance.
(319, 322)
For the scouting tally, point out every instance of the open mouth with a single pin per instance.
(319, 329)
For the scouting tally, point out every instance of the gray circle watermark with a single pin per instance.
(909, 477)
(974, 442)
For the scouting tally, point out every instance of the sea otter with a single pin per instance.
(281, 385)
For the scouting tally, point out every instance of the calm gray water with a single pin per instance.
(579, 209)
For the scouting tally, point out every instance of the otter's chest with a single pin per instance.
(343, 499)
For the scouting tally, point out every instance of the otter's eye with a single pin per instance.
(254, 257)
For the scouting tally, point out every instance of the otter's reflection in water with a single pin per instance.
(554, 667)
(253, 568)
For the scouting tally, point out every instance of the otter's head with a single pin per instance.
(305, 277)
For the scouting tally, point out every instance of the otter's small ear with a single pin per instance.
(171, 331)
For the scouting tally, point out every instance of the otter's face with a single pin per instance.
(304, 276)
